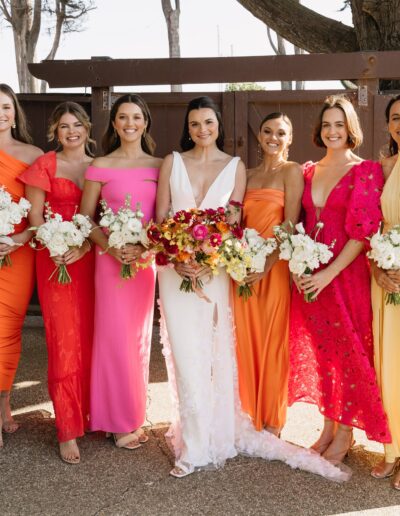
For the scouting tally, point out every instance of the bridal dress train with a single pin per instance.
(209, 426)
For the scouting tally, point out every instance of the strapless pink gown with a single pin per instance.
(123, 314)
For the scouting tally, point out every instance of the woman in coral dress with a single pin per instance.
(331, 353)
(57, 178)
(16, 281)
(273, 196)
(386, 317)
(124, 308)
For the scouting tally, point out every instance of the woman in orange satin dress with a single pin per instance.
(273, 196)
(16, 281)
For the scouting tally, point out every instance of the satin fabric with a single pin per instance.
(16, 282)
(262, 322)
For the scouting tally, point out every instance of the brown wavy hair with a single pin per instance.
(111, 141)
(20, 132)
(78, 111)
(354, 130)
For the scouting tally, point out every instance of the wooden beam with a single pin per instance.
(104, 72)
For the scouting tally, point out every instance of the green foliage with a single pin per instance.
(243, 86)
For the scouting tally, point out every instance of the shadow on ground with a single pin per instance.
(109, 481)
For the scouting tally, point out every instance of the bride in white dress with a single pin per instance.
(197, 333)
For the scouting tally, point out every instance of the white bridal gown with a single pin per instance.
(209, 425)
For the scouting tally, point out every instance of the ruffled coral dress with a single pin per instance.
(67, 309)
(16, 282)
(262, 323)
(331, 344)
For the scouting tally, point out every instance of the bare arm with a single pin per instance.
(318, 281)
(238, 191)
(163, 190)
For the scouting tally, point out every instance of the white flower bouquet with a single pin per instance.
(303, 252)
(125, 227)
(11, 213)
(255, 250)
(385, 252)
(58, 236)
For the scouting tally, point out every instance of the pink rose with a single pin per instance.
(199, 232)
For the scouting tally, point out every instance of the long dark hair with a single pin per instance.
(393, 146)
(111, 141)
(20, 132)
(199, 103)
(74, 109)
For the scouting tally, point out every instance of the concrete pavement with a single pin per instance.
(110, 481)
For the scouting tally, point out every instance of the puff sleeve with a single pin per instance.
(40, 172)
(364, 211)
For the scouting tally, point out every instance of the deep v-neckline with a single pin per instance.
(198, 206)
(320, 209)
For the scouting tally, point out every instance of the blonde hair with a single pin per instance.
(341, 102)
(74, 109)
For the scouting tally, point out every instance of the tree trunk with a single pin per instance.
(172, 19)
(302, 26)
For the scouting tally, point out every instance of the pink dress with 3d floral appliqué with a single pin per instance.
(123, 318)
(331, 345)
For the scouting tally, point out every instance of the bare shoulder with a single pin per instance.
(102, 162)
(292, 172)
(155, 162)
(388, 164)
(26, 152)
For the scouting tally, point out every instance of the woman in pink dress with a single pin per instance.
(331, 353)
(57, 178)
(123, 308)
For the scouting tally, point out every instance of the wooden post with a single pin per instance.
(101, 105)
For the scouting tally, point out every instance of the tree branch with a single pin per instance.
(303, 27)
(271, 41)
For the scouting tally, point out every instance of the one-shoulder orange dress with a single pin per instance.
(262, 322)
(16, 281)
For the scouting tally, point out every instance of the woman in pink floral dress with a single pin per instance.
(331, 338)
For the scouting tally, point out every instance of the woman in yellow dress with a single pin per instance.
(273, 195)
(386, 322)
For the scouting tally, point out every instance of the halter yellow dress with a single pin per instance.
(386, 326)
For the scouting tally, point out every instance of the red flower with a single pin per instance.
(171, 248)
(161, 259)
(215, 239)
(153, 233)
(236, 204)
(182, 216)
(237, 231)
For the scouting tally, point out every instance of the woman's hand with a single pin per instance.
(72, 255)
(385, 280)
(6, 249)
(186, 270)
(254, 277)
(315, 283)
(394, 275)
(132, 253)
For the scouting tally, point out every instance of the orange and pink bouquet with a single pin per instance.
(193, 237)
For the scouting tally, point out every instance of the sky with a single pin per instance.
(137, 29)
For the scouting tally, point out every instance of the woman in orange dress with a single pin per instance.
(273, 196)
(16, 281)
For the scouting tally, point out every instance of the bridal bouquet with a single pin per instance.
(125, 227)
(192, 236)
(11, 213)
(58, 236)
(247, 254)
(385, 252)
(302, 251)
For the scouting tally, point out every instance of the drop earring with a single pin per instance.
(14, 125)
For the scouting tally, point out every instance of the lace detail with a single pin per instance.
(331, 355)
